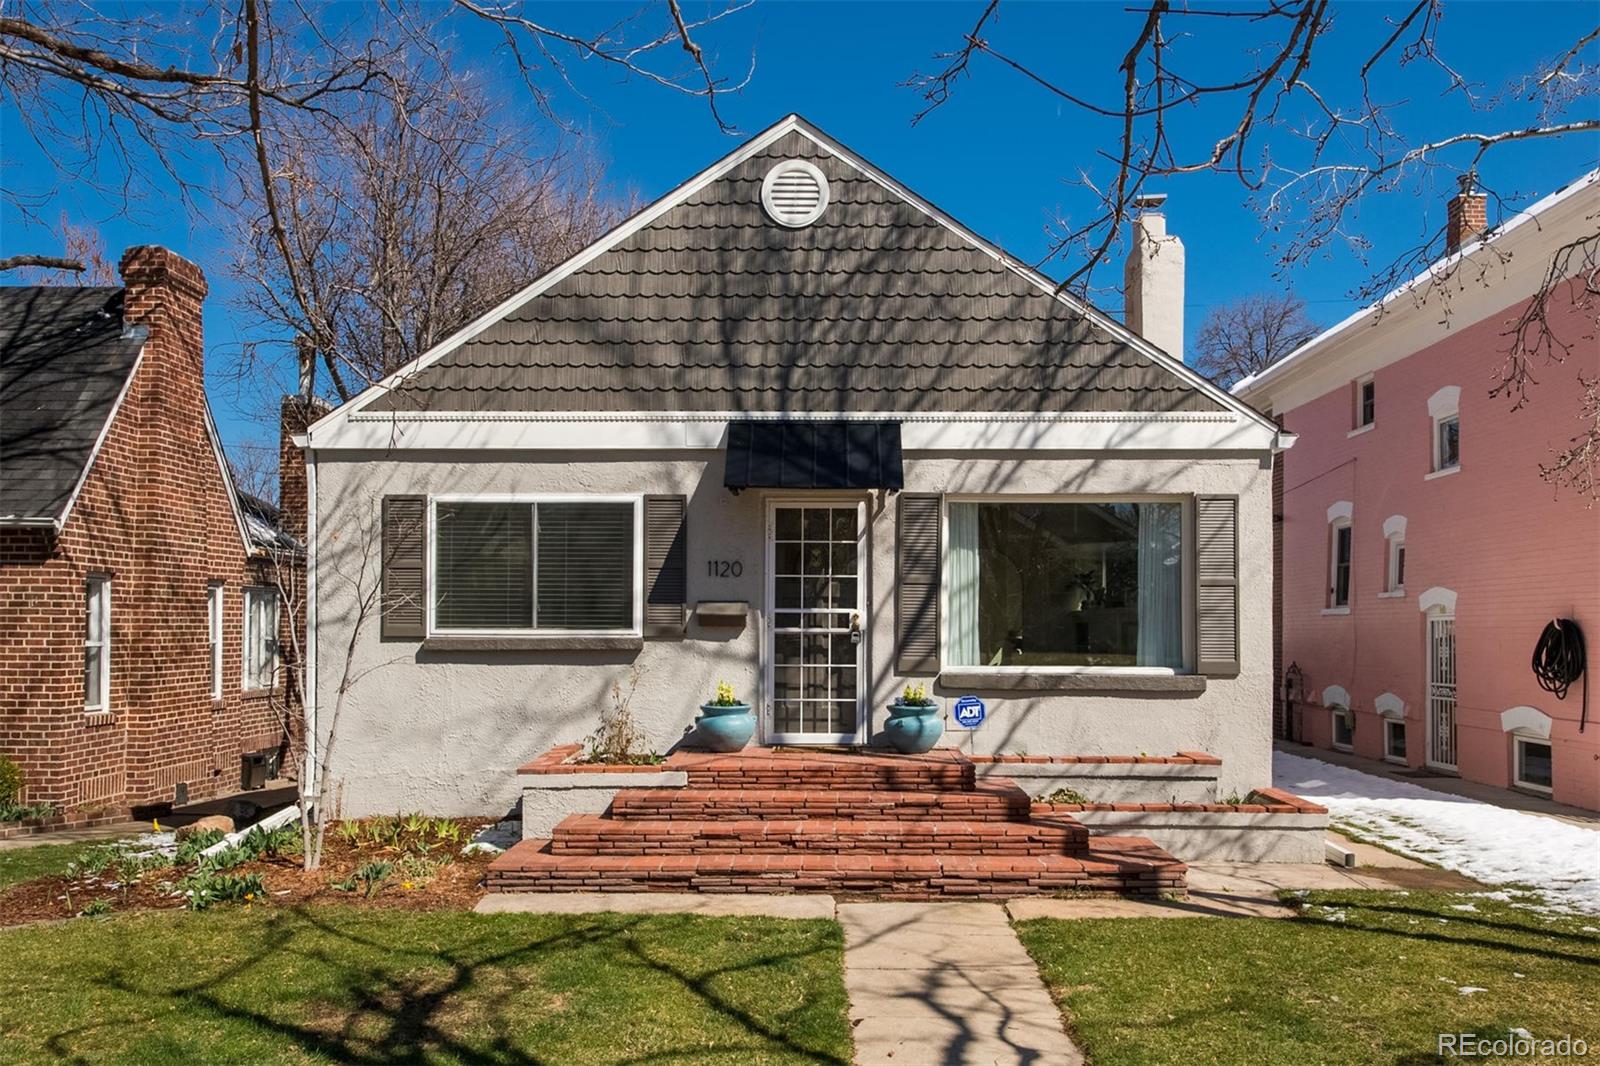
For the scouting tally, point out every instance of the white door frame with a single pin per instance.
(863, 606)
(1430, 662)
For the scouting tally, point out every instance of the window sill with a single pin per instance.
(1533, 790)
(91, 719)
(1341, 747)
(257, 693)
(1335, 610)
(1109, 682)
(594, 642)
(1446, 472)
(1398, 760)
(1392, 594)
(1368, 428)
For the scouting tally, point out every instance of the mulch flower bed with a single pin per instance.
(422, 875)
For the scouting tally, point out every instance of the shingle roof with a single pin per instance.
(64, 359)
(879, 306)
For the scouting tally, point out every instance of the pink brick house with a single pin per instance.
(1421, 554)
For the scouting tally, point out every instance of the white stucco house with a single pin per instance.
(792, 427)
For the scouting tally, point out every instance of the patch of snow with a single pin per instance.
(1558, 861)
(494, 839)
(1467, 990)
(1473, 907)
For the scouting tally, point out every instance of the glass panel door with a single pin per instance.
(815, 622)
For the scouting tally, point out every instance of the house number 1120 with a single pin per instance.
(724, 568)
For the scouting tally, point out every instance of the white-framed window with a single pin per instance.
(1066, 583)
(97, 643)
(260, 638)
(214, 636)
(1394, 740)
(1339, 545)
(1365, 402)
(1444, 408)
(1344, 728)
(1395, 549)
(1532, 760)
(536, 564)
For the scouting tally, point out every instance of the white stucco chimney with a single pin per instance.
(1153, 278)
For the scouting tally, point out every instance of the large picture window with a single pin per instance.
(517, 566)
(1044, 584)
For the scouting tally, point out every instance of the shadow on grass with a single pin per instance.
(398, 1016)
(1486, 925)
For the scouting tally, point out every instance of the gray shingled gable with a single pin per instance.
(64, 359)
(876, 307)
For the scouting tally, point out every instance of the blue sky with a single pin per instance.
(995, 156)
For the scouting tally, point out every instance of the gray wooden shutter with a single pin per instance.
(1217, 581)
(402, 602)
(666, 564)
(916, 584)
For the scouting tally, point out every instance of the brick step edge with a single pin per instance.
(995, 801)
(1125, 865)
(589, 834)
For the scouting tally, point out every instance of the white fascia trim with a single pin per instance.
(326, 426)
(227, 477)
(99, 442)
(1440, 268)
(1189, 433)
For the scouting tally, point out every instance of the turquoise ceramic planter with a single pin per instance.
(727, 728)
(913, 729)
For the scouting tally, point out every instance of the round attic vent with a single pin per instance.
(794, 193)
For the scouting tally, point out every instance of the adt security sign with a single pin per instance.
(969, 712)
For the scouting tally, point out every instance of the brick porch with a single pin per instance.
(763, 820)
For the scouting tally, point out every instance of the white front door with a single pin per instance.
(1442, 692)
(816, 622)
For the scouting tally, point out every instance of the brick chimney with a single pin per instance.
(1467, 215)
(1153, 278)
(295, 413)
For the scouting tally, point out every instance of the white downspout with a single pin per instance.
(310, 694)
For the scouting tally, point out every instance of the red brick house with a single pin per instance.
(139, 645)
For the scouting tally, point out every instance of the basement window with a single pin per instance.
(97, 644)
(1534, 769)
(1394, 740)
(1344, 728)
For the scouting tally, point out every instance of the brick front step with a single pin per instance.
(589, 834)
(994, 800)
(777, 769)
(1108, 864)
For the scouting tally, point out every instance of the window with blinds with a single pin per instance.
(547, 564)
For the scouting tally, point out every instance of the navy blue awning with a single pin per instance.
(814, 455)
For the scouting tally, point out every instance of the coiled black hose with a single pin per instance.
(1558, 661)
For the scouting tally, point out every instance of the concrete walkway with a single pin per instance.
(946, 984)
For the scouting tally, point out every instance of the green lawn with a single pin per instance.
(340, 984)
(41, 860)
(1362, 977)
